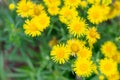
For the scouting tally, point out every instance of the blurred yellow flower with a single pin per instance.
(101, 77)
(114, 76)
(93, 1)
(97, 14)
(106, 2)
(108, 66)
(115, 10)
(60, 54)
(109, 49)
(53, 41)
(12, 6)
(53, 10)
(116, 56)
(83, 67)
(50, 3)
(72, 3)
(83, 4)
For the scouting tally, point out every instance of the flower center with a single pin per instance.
(92, 34)
(107, 67)
(74, 48)
(25, 8)
(36, 11)
(83, 67)
(60, 54)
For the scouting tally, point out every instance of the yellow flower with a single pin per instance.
(72, 3)
(53, 10)
(92, 35)
(114, 76)
(83, 4)
(96, 14)
(93, 1)
(77, 27)
(108, 49)
(83, 67)
(66, 14)
(106, 2)
(12, 6)
(52, 2)
(31, 28)
(106, 12)
(36, 25)
(115, 10)
(43, 21)
(117, 7)
(85, 53)
(53, 41)
(75, 45)
(37, 10)
(116, 56)
(101, 77)
(108, 66)
(60, 54)
(24, 8)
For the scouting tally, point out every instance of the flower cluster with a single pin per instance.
(81, 18)
(37, 18)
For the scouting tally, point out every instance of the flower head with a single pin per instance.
(31, 28)
(75, 45)
(35, 26)
(85, 53)
(97, 14)
(108, 66)
(77, 27)
(52, 2)
(114, 76)
(24, 8)
(109, 49)
(83, 4)
(37, 10)
(12, 6)
(72, 3)
(60, 54)
(116, 56)
(43, 21)
(53, 10)
(92, 35)
(101, 77)
(83, 67)
(66, 14)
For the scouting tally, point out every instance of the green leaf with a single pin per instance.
(2, 72)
